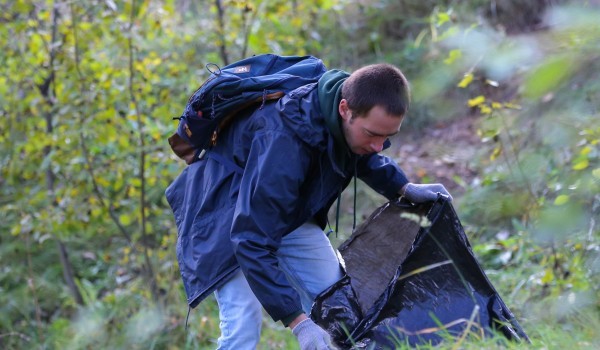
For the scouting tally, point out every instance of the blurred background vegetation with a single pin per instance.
(88, 90)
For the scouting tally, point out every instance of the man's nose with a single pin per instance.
(377, 146)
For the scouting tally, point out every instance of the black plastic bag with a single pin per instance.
(411, 278)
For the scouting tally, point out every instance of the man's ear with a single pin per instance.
(344, 110)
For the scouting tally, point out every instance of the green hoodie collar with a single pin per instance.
(330, 95)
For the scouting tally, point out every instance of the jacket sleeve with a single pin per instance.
(275, 170)
(382, 174)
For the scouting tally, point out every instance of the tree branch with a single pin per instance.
(31, 284)
(514, 149)
(15, 334)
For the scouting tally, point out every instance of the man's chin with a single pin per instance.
(362, 152)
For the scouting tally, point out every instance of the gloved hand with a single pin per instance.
(312, 337)
(420, 193)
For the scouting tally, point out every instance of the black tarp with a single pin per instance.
(411, 278)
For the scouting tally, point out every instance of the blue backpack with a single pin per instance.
(229, 90)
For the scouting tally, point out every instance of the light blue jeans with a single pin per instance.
(310, 264)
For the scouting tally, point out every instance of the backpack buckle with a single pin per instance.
(213, 138)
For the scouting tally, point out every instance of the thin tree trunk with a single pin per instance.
(148, 268)
(221, 31)
(68, 272)
(47, 91)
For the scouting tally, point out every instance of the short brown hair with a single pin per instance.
(377, 85)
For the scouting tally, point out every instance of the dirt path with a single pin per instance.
(442, 153)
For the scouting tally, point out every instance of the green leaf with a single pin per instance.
(562, 199)
(548, 76)
(326, 4)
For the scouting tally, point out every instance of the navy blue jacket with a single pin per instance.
(269, 172)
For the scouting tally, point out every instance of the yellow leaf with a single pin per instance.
(442, 18)
(102, 182)
(85, 26)
(582, 164)
(512, 105)
(476, 101)
(496, 105)
(562, 199)
(548, 276)
(15, 230)
(36, 42)
(3, 86)
(496, 153)
(485, 109)
(125, 219)
(586, 150)
(453, 55)
(131, 191)
(44, 15)
(466, 80)
(123, 141)
(118, 183)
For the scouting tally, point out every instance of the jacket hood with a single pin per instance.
(300, 110)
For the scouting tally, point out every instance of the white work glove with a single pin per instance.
(424, 192)
(312, 337)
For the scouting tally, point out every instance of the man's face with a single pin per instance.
(366, 134)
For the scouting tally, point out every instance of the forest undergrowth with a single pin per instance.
(505, 110)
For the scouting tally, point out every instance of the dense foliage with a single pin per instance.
(88, 90)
